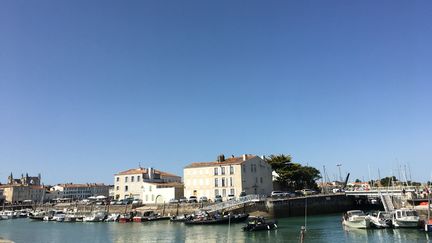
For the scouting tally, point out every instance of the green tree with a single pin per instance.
(387, 181)
(293, 176)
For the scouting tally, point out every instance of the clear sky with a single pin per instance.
(91, 88)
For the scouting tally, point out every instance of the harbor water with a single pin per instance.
(324, 228)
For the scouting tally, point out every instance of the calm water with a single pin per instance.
(320, 229)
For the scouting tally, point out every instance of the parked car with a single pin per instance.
(137, 202)
(308, 192)
(113, 202)
(231, 197)
(174, 200)
(218, 198)
(278, 194)
(242, 194)
(203, 199)
(183, 200)
(192, 199)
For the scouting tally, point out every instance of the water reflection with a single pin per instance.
(319, 229)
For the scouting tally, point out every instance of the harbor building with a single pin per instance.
(80, 191)
(26, 188)
(248, 174)
(147, 184)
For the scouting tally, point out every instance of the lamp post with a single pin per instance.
(340, 174)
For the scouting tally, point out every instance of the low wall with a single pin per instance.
(319, 204)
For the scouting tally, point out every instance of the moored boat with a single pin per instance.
(405, 218)
(258, 224)
(380, 219)
(356, 219)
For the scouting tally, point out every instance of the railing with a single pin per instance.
(235, 202)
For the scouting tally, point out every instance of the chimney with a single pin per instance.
(150, 173)
(263, 157)
(244, 157)
(221, 158)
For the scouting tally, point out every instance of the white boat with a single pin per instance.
(95, 217)
(380, 219)
(356, 219)
(405, 218)
(7, 214)
(112, 217)
(59, 217)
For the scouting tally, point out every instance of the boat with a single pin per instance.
(152, 216)
(37, 215)
(95, 217)
(356, 219)
(258, 224)
(180, 218)
(112, 217)
(8, 214)
(70, 218)
(124, 218)
(380, 219)
(53, 215)
(59, 217)
(217, 219)
(405, 218)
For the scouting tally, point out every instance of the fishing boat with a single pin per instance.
(258, 224)
(380, 219)
(356, 219)
(405, 218)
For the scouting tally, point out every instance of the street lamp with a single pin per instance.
(340, 174)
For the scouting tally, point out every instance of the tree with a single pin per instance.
(387, 181)
(294, 176)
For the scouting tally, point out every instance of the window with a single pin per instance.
(132, 178)
(118, 179)
(126, 179)
(261, 180)
(252, 170)
(256, 180)
(232, 191)
(138, 178)
(126, 188)
(152, 197)
(244, 168)
(231, 182)
(216, 192)
(231, 169)
(147, 198)
(222, 170)
(216, 171)
(216, 182)
(117, 188)
(223, 182)
(223, 192)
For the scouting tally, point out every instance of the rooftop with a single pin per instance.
(229, 161)
(70, 185)
(144, 171)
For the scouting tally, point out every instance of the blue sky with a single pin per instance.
(90, 88)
